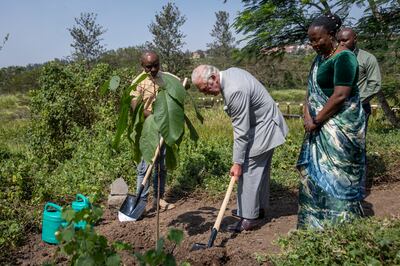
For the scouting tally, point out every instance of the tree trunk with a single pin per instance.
(389, 114)
(374, 10)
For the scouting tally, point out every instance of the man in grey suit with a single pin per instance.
(258, 127)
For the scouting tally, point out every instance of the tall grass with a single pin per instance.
(383, 148)
(14, 106)
(290, 95)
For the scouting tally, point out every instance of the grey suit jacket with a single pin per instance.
(258, 124)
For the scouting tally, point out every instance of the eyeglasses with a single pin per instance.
(150, 66)
(209, 83)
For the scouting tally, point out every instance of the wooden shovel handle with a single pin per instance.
(224, 203)
(150, 167)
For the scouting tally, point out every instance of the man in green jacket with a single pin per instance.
(369, 80)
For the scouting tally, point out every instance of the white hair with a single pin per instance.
(203, 72)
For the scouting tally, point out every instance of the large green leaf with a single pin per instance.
(137, 127)
(196, 109)
(122, 123)
(149, 139)
(174, 88)
(125, 106)
(169, 117)
(193, 133)
(172, 156)
(133, 115)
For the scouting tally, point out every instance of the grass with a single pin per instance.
(13, 135)
(383, 147)
(14, 106)
(290, 95)
(93, 166)
(14, 122)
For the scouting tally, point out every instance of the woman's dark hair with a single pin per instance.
(330, 22)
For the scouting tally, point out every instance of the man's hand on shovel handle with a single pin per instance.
(236, 171)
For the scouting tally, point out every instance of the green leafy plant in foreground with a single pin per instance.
(362, 242)
(85, 246)
(167, 120)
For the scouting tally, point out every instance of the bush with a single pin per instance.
(93, 166)
(203, 165)
(363, 242)
(67, 100)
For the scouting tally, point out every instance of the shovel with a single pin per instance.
(133, 206)
(214, 230)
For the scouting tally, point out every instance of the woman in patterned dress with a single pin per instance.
(332, 157)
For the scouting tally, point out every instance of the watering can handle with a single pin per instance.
(82, 197)
(51, 204)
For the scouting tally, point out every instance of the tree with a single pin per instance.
(381, 27)
(4, 41)
(224, 40)
(273, 24)
(86, 36)
(168, 39)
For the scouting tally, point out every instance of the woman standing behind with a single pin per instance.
(332, 157)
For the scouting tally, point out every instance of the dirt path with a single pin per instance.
(196, 217)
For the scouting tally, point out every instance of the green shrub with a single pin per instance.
(203, 165)
(68, 100)
(363, 242)
(92, 167)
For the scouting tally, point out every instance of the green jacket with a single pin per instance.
(369, 79)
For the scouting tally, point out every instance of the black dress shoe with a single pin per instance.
(261, 214)
(244, 225)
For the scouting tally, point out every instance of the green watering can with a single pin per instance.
(80, 203)
(51, 222)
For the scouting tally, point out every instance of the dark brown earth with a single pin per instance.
(196, 216)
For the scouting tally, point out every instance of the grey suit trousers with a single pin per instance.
(253, 187)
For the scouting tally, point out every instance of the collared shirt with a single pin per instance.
(369, 79)
(148, 88)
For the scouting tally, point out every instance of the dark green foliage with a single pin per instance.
(270, 24)
(66, 101)
(15, 79)
(363, 242)
(123, 57)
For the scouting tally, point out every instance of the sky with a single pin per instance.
(38, 28)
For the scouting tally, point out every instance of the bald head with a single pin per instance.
(347, 37)
(150, 63)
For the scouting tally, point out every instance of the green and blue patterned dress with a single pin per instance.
(332, 159)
